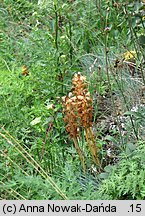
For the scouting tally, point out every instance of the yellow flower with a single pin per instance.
(129, 55)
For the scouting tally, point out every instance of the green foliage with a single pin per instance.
(127, 179)
(53, 40)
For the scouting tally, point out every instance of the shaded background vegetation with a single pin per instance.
(53, 40)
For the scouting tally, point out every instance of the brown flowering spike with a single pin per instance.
(78, 111)
(25, 71)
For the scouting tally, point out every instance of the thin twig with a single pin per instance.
(44, 143)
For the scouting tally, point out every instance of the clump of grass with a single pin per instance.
(32, 162)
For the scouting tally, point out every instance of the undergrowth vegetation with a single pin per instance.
(44, 46)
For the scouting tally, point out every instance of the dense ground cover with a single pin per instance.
(43, 44)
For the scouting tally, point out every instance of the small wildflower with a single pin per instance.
(107, 29)
(129, 55)
(134, 109)
(50, 106)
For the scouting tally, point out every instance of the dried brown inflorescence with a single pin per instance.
(78, 114)
(25, 71)
(70, 118)
(78, 106)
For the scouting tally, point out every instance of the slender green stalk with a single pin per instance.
(59, 72)
(70, 39)
(56, 26)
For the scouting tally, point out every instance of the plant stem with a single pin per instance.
(70, 39)
(58, 70)
(80, 153)
(92, 146)
(56, 26)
